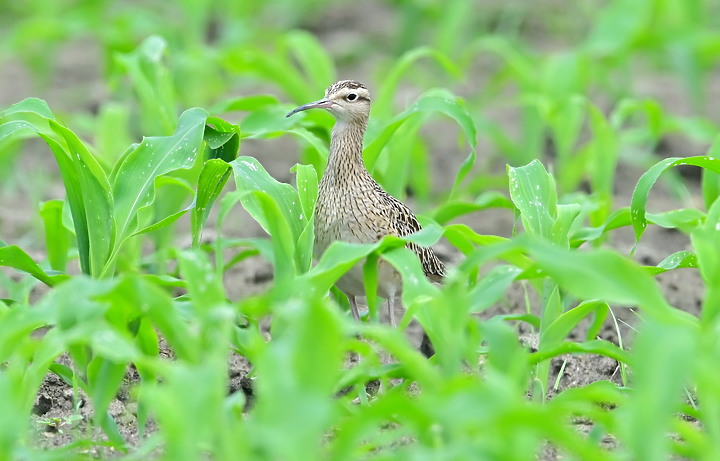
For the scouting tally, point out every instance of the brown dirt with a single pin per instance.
(79, 65)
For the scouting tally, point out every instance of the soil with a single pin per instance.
(77, 86)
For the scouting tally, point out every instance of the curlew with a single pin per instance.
(352, 206)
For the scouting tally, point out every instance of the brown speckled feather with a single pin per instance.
(405, 223)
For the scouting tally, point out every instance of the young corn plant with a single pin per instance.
(105, 213)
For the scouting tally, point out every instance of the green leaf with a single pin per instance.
(418, 367)
(678, 260)
(57, 237)
(278, 208)
(619, 218)
(245, 103)
(104, 379)
(597, 346)
(391, 79)
(64, 372)
(223, 145)
(90, 200)
(135, 174)
(490, 246)
(283, 240)
(603, 153)
(271, 67)
(315, 62)
(16, 130)
(337, 259)
(268, 122)
(711, 180)
(153, 84)
(340, 256)
(491, 288)
(204, 287)
(521, 66)
(532, 190)
(660, 369)
(251, 176)
(112, 134)
(301, 366)
(505, 354)
(706, 241)
(86, 185)
(211, 182)
(566, 123)
(162, 223)
(436, 100)
(684, 218)
(453, 209)
(370, 281)
(561, 326)
(602, 275)
(30, 106)
(154, 301)
(307, 188)
(415, 283)
(640, 195)
(618, 26)
(13, 256)
(566, 218)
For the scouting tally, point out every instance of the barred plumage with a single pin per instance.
(352, 206)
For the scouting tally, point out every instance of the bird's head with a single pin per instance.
(347, 100)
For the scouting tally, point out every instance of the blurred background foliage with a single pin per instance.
(553, 69)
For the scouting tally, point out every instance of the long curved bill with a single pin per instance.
(321, 104)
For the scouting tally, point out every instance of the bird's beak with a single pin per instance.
(322, 104)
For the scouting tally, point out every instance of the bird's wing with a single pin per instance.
(405, 223)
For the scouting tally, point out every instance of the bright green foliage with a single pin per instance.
(106, 210)
(87, 186)
(640, 195)
(57, 237)
(137, 256)
(394, 175)
(152, 83)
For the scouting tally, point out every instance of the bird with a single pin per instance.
(352, 207)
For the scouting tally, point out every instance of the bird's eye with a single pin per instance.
(351, 97)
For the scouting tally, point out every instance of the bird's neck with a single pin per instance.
(345, 163)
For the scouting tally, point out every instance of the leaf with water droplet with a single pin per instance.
(533, 193)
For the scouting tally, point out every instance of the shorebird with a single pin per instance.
(352, 206)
